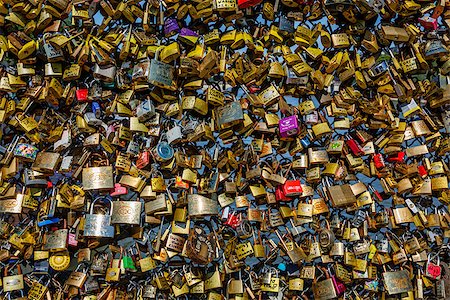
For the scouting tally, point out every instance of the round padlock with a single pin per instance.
(59, 261)
(163, 151)
(326, 237)
(244, 229)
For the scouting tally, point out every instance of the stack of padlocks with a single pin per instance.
(224, 150)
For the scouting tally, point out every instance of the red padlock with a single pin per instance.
(233, 220)
(379, 161)
(396, 158)
(280, 196)
(179, 183)
(376, 193)
(253, 89)
(354, 146)
(292, 188)
(433, 270)
(82, 94)
(247, 3)
(143, 159)
(422, 171)
(428, 23)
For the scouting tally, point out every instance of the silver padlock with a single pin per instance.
(190, 126)
(149, 291)
(382, 246)
(174, 134)
(133, 148)
(64, 142)
(105, 73)
(95, 90)
(358, 218)
(267, 276)
(312, 118)
(145, 110)
(446, 119)
(92, 120)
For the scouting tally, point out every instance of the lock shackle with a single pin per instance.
(12, 292)
(227, 95)
(157, 52)
(49, 279)
(45, 35)
(327, 224)
(83, 266)
(98, 155)
(120, 257)
(326, 271)
(91, 210)
(16, 264)
(392, 236)
(92, 82)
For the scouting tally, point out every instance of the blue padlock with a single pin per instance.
(96, 109)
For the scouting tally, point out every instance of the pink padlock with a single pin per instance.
(339, 286)
(110, 131)
(289, 127)
(72, 240)
(118, 190)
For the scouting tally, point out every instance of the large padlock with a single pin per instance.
(161, 74)
(98, 178)
(96, 225)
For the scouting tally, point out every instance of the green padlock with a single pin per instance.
(128, 262)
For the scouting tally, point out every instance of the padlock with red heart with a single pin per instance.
(433, 270)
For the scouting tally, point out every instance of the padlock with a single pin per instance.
(292, 188)
(52, 54)
(99, 178)
(114, 270)
(97, 225)
(145, 110)
(82, 94)
(13, 282)
(428, 22)
(77, 278)
(266, 277)
(235, 286)
(174, 134)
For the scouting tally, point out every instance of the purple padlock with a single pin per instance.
(171, 27)
(288, 127)
(188, 32)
